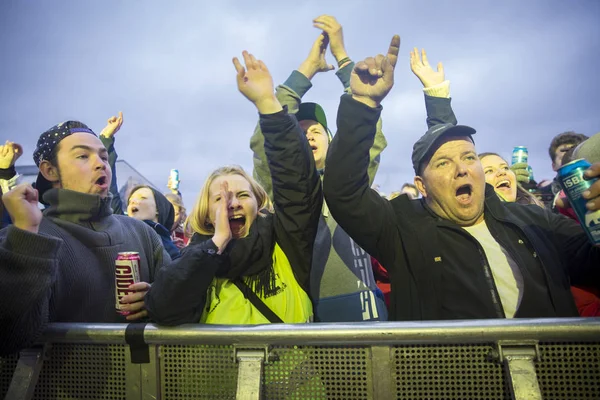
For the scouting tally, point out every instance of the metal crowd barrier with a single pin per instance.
(480, 359)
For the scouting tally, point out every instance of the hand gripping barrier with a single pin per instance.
(479, 359)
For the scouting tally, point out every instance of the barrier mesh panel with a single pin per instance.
(304, 372)
(7, 368)
(209, 372)
(569, 371)
(447, 372)
(199, 372)
(75, 371)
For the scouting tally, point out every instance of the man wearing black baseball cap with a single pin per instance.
(343, 287)
(459, 252)
(59, 266)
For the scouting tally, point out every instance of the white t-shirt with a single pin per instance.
(507, 275)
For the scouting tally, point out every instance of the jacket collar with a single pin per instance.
(76, 207)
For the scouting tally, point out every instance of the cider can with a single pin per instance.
(127, 272)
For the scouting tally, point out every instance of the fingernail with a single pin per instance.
(591, 205)
(586, 194)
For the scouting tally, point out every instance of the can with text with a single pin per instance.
(127, 272)
(574, 184)
(519, 155)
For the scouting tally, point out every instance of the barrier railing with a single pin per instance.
(481, 359)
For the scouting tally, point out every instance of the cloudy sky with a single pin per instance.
(520, 72)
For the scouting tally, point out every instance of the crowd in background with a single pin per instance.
(306, 236)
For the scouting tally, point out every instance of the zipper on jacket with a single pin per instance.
(487, 271)
(489, 277)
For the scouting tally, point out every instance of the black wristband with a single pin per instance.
(343, 61)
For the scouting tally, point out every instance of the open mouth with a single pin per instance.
(313, 147)
(102, 181)
(503, 185)
(464, 194)
(236, 224)
(134, 210)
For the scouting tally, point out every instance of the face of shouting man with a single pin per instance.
(452, 181)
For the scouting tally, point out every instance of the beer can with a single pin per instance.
(574, 184)
(127, 272)
(519, 155)
(174, 179)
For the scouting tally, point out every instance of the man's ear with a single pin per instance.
(49, 171)
(420, 184)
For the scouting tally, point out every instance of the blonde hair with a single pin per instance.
(176, 200)
(198, 222)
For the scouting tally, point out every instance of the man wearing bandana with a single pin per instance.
(58, 265)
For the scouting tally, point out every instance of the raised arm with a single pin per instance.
(297, 193)
(28, 264)
(289, 95)
(358, 209)
(107, 136)
(335, 32)
(435, 87)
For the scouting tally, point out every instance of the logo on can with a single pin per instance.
(574, 184)
(127, 272)
(519, 155)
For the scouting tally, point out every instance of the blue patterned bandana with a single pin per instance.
(52, 137)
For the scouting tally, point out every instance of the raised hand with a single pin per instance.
(223, 233)
(421, 68)
(521, 172)
(334, 31)
(256, 84)
(9, 154)
(316, 62)
(112, 126)
(373, 78)
(21, 203)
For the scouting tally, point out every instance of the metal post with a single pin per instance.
(518, 359)
(25, 377)
(382, 373)
(250, 371)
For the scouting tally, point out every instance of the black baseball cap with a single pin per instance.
(425, 146)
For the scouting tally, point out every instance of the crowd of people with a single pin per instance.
(304, 237)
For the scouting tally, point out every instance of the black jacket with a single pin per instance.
(178, 294)
(438, 270)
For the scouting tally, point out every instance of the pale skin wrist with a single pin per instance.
(340, 56)
(268, 105)
(306, 70)
(220, 242)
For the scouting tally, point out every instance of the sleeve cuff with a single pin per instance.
(344, 74)
(439, 90)
(7, 173)
(31, 244)
(298, 83)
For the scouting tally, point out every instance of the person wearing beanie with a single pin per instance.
(342, 285)
(149, 205)
(59, 265)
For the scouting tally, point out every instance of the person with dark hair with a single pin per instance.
(505, 180)
(560, 144)
(58, 266)
(342, 282)
(459, 252)
(151, 206)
